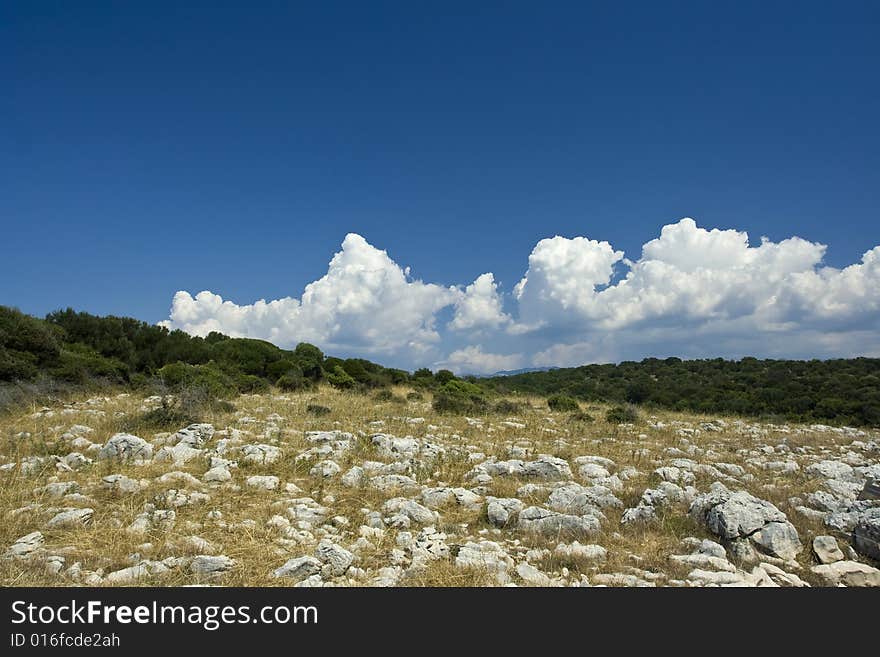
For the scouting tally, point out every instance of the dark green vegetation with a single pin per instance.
(845, 391)
(70, 349)
(562, 403)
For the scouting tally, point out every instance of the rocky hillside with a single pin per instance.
(331, 488)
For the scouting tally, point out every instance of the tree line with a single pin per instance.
(841, 391)
(80, 348)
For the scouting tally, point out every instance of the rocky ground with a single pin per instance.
(388, 493)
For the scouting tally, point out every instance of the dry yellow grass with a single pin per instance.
(245, 536)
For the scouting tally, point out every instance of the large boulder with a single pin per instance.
(744, 521)
(847, 573)
(126, 447)
(866, 534)
(544, 521)
(485, 555)
(503, 511)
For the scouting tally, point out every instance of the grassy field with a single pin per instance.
(236, 520)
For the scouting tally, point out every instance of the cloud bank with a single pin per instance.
(692, 292)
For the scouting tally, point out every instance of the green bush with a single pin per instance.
(341, 379)
(208, 377)
(581, 416)
(563, 403)
(444, 376)
(507, 407)
(622, 415)
(293, 380)
(388, 396)
(17, 366)
(246, 355)
(397, 377)
(251, 384)
(460, 397)
(310, 360)
(414, 396)
(78, 363)
(317, 409)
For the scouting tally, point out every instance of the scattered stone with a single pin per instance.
(485, 555)
(848, 573)
(218, 474)
(866, 534)
(25, 546)
(260, 454)
(503, 511)
(337, 558)
(298, 569)
(262, 482)
(574, 551)
(71, 518)
(210, 567)
(126, 447)
(544, 521)
(531, 575)
(119, 484)
(826, 550)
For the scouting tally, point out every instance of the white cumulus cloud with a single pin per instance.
(480, 307)
(364, 303)
(691, 292)
(473, 360)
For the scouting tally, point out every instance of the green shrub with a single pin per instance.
(310, 360)
(246, 355)
(341, 379)
(317, 409)
(622, 415)
(293, 380)
(460, 397)
(388, 396)
(414, 396)
(444, 376)
(78, 363)
(251, 384)
(581, 416)
(507, 407)
(396, 376)
(17, 366)
(210, 378)
(279, 368)
(563, 403)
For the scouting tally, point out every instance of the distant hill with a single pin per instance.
(523, 370)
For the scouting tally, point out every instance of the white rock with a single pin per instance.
(126, 447)
(71, 518)
(298, 569)
(337, 558)
(210, 567)
(25, 546)
(826, 550)
(262, 482)
(848, 573)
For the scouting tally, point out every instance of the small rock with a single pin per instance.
(826, 550)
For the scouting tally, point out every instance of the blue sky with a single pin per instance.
(151, 148)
